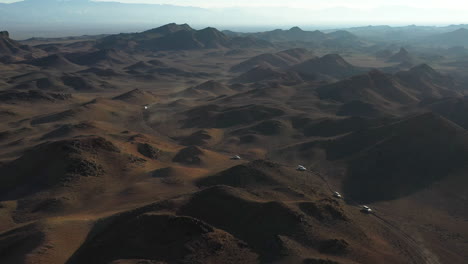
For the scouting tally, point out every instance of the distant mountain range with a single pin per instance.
(179, 37)
(458, 37)
(55, 18)
(450, 36)
(381, 89)
(335, 38)
(404, 33)
(58, 18)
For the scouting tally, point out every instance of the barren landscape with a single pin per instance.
(178, 145)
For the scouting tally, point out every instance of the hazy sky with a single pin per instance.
(241, 15)
(456, 4)
(366, 11)
(311, 12)
(312, 4)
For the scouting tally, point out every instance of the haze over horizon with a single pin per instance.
(91, 17)
(358, 4)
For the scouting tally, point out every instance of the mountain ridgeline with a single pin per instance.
(179, 37)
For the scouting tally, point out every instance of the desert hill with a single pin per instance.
(359, 108)
(294, 33)
(331, 127)
(240, 233)
(178, 37)
(73, 165)
(174, 234)
(101, 72)
(266, 73)
(402, 56)
(104, 57)
(56, 61)
(343, 35)
(206, 89)
(338, 39)
(11, 96)
(429, 82)
(451, 108)
(298, 34)
(392, 147)
(220, 117)
(343, 39)
(281, 59)
(139, 66)
(267, 128)
(245, 218)
(374, 87)
(38, 80)
(9, 46)
(137, 96)
(329, 65)
(458, 37)
(396, 148)
(387, 91)
(198, 138)
(72, 129)
(167, 29)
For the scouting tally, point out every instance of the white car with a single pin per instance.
(146, 107)
(337, 195)
(366, 209)
(301, 168)
(236, 157)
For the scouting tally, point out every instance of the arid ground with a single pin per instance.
(120, 149)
